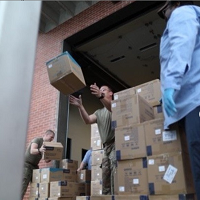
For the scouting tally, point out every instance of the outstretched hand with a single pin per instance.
(95, 90)
(169, 104)
(75, 101)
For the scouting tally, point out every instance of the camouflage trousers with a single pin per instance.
(27, 178)
(108, 169)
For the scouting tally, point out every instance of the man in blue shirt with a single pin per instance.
(180, 74)
(87, 161)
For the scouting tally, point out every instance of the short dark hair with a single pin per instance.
(182, 3)
(49, 132)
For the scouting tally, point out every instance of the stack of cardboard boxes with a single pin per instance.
(58, 183)
(151, 163)
(97, 156)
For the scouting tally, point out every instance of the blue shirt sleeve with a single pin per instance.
(182, 30)
(87, 157)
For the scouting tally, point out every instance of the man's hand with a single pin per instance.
(169, 103)
(42, 149)
(79, 169)
(95, 90)
(75, 101)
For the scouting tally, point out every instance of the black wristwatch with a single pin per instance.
(102, 96)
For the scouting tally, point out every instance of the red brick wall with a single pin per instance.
(44, 102)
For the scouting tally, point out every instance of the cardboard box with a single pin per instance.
(116, 182)
(62, 189)
(34, 190)
(132, 176)
(65, 74)
(167, 174)
(131, 110)
(150, 91)
(132, 197)
(69, 164)
(130, 142)
(84, 176)
(96, 173)
(58, 198)
(53, 151)
(96, 188)
(96, 143)
(82, 189)
(36, 176)
(124, 93)
(34, 198)
(69, 175)
(94, 130)
(51, 174)
(158, 140)
(44, 190)
(172, 197)
(158, 112)
(82, 197)
(97, 157)
(102, 197)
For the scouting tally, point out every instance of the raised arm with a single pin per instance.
(88, 119)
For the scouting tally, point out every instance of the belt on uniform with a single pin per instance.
(108, 143)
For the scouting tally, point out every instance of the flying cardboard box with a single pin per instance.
(65, 74)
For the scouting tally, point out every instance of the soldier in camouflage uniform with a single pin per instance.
(33, 156)
(103, 119)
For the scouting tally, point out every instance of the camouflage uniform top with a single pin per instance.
(30, 158)
(104, 124)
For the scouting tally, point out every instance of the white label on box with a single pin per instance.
(158, 131)
(100, 191)
(44, 176)
(36, 177)
(135, 181)
(95, 141)
(50, 66)
(151, 161)
(37, 192)
(169, 136)
(139, 90)
(98, 158)
(81, 176)
(170, 174)
(42, 188)
(126, 138)
(115, 96)
(97, 174)
(98, 142)
(161, 168)
(121, 188)
(58, 193)
(113, 105)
